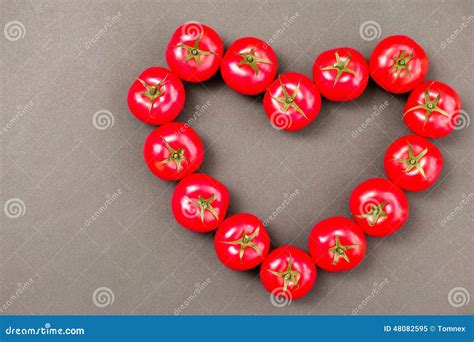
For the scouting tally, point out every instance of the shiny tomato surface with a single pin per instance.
(398, 64)
(200, 202)
(432, 110)
(413, 163)
(242, 242)
(337, 244)
(249, 66)
(195, 52)
(341, 74)
(379, 207)
(288, 272)
(173, 151)
(156, 96)
(292, 102)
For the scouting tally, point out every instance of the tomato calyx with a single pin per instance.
(290, 276)
(250, 59)
(205, 204)
(289, 100)
(414, 161)
(375, 212)
(246, 241)
(340, 66)
(153, 91)
(339, 251)
(401, 63)
(429, 106)
(194, 51)
(176, 156)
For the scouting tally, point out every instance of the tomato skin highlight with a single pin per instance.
(242, 77)
(441, 120)
(209, 52)
(384, 68)
(229, 242)
(353, 77)
(161, 109)
(180, 138)
(278, 261)
(304, 106)
(413, 180)
(379, 207)
(327, 235)
(195, 201)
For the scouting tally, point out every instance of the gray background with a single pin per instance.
(72, 59)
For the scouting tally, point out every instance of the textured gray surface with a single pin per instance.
(73, 59)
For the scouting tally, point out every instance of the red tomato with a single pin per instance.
(432, 109)
(337, 244)
(398, 64)
(341, 74)
(157, 96)
(413, 163)
(241, 242)
(292, 102)
(379, 207)
(194, 52)
(173, 151)
(249, 66)
(200, 202)
(288, 272)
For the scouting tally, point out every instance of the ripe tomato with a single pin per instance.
(341, 74)
(337, 244)
(413, 163)
(249, 66)
(292, 102)
(288, 272)
(194, 52)
(432, 109)
(173, 151)
(398, 64)
(241, 242)
(379, 207)
(200, 202)
(157, 96)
